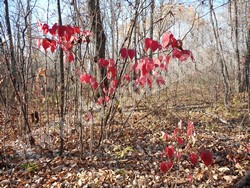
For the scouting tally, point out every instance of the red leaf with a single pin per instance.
(180, 141)
(169, 151)
(76, 30)
(111, 90)
(154, 45)
(61, 31)
(70, 57)
(182, 55)
(176, 54)
(193, 158)
(103, 63)
(190, 129)
(85, 78)
(190, 177)
(187, 54)
(147, 65)
(45, 28)
(131, 53)
(164, 167)
(111, 72)
(162, 66)
(147, 43)
(206, 157)
(94, 85)
(45, 44)
(142, 80)
(166, 39)
(111, 62)
(107, 99)
(149, 80)
(135, 67)
(53, 29)
(165, 136)
(69, 30)
(114, 83)
(176, 131)
(174, 42)
(124, 53)
(53, 46)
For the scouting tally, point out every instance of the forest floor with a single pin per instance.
(132, 158)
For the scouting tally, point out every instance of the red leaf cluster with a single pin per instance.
(64, 35)
(169, 151)
(168, 40)
(88, 79)
(165, 166)
(152, 45)
(205, 155)
(125, 53)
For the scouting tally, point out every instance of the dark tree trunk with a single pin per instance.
(61, 83)
(247, 68)
(99, 34)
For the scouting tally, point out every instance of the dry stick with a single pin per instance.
(81, 103)
(46, 96)
(66, 110)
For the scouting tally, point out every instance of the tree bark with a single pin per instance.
(100, 45)
(236, 48)
(247, 68)
(99, 34)
(61, 83)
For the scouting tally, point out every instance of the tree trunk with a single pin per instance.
(221, 58)
(100, 40)
(99, 35)
(61, 83)
(236, 48)
(247, 68)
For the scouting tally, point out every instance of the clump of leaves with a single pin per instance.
(180, 144)
(29, 166)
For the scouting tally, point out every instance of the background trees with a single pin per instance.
(44, 103)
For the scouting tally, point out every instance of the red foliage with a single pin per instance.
(206, 157)
(169, 151)
(190, 129)
(193, 158)
(151, 44)
(165, 166)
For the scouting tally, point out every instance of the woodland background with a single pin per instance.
(53, 132)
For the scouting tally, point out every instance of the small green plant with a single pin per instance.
(121, 153)
(29, 166)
